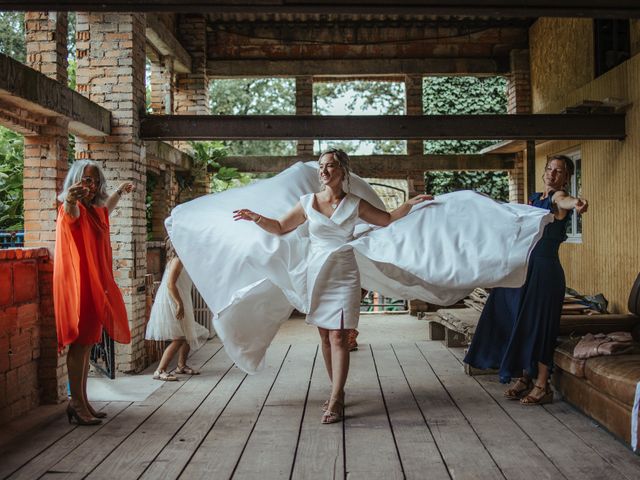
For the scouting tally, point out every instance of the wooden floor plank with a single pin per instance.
(320, 447)
(369, 444)
(48, 458)
(28, 446)
(134, 454)
(81, 461)
(513, 451)
(218, 454)
(177, 453)
(612, 450)
(574, 458)
(271, 449)
(418, 450)
(464, 454)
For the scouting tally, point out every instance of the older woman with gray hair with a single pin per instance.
(86, 297)
(332, 269)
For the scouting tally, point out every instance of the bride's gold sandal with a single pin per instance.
(519, 389)
(333, 416)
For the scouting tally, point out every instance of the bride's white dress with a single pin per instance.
(252, 280)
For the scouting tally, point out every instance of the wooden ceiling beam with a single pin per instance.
(29, 90)
(167, 45)
(390, 127)
(489, 8)
(357, 67)
(379, 166)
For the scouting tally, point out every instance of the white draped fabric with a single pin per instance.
(252, 280)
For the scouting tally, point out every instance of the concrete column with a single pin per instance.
(519, 101)
(111, 72)
(304, 106)
(413, 106)
(45, 166)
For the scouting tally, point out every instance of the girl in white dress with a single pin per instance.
(332, 271)
(172, 319)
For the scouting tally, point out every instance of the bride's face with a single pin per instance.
(330, 171)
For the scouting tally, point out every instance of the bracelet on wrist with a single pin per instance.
(119, 192)
(259, 219)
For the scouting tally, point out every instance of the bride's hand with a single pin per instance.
(419, 199)
(245, 214)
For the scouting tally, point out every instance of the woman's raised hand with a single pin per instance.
(126, 187)
(581, 205)
(419, 199)
(245, 214)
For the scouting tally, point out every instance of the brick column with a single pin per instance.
(415, 183)
(45, 166)
(191, 96)
(519, 101)
(160, 207)
(413, 106)
(111, 72)
(304, 106)
(162, 86)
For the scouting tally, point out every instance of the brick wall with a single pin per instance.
(518, 101)
(304, 106)
(29, 372)
(111, 72)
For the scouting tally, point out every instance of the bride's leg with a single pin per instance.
(326, 350)
(340, 366)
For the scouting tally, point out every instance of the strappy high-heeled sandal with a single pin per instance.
(546, 397)
(164, 376)
(519, 389)
(186, 370)
(333, 416)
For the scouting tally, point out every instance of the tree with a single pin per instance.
(11, 166)
(262, 96)
(12, 35)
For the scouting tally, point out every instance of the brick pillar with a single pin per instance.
(162, 86)
(111, 72)
(191, 95)
(413, 106)
(519, 101)
(415, 183)
(160, 208)
(45, 166)
(304, 106)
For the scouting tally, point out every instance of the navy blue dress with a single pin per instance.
(518, 327)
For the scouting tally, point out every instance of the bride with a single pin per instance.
(437, 251)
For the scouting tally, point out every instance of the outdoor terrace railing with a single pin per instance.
(13, 239)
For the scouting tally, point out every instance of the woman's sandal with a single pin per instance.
(330, 416)
(522, 386)
(325, 405)
(186, 370)
(164, 376)
(546, 397)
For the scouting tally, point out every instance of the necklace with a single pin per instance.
(334, 205)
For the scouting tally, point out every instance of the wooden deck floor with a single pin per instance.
(410, 413)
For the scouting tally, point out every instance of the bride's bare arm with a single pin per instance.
(286, 224)
(375, 216)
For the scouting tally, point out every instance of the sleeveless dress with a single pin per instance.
(86, 297)
(253, 280)
(334, 300)
(163, 324)
(518, 327)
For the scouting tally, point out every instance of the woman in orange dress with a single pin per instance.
(85, 295)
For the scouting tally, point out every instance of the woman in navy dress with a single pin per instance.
(518, 327)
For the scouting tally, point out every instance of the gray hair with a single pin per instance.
(74, 175)
(343, 159)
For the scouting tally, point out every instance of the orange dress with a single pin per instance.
(86, 297)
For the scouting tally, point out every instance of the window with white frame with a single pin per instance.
(574, 228)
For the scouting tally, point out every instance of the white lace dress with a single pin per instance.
(163, 324)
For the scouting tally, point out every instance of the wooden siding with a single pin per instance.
(608, 259)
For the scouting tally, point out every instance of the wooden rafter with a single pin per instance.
(385, 166)
(491, 8)
(357, 67)
(436, 127)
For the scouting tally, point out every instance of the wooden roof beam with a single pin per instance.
(389, 127)
(357, 67)
(489, 8)
(379, 166)
(27, 89)
(167, 45)
(168, 155)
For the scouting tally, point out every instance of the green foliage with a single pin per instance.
(12, 41)
(493, 184)
(262, 96)
(361, 97)
(207, 156)
(11, 166)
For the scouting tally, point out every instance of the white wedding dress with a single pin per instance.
(252, 280)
